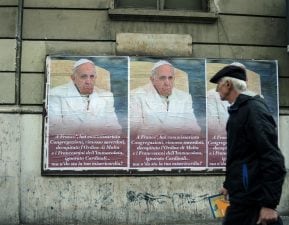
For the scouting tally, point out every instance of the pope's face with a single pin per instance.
(84, 78)
(163, 80)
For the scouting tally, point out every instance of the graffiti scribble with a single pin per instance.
(175, 198)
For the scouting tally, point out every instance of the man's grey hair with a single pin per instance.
(158, 64)
(239, 85)
(239, 65)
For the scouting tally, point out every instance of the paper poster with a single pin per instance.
(86, 104)
(262, 79)
(167, 131)
(121, 114)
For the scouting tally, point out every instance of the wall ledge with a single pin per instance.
(21, 109)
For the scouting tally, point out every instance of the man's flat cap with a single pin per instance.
(230, 71)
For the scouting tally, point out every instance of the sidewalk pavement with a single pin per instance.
(194, 222)
(205, 222)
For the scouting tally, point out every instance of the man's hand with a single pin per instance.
(224, 191)
(267, 216)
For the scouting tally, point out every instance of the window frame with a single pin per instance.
(162, 15)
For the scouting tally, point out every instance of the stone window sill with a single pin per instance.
(162, 15)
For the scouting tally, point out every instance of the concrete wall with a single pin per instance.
(32, 29)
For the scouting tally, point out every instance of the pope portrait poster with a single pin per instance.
(129, 115)
(86, 105)
(167, 113)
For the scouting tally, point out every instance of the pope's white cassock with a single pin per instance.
(217, 113)
(152, 114)
(72, 113)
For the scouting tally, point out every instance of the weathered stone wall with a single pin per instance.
(32, 29)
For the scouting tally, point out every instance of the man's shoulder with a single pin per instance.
(258, 103)
(254, 101)
(254, 105)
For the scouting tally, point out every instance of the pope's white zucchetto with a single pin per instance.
(80, 62)
(160, 63)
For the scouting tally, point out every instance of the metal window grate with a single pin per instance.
(199, 5)
(194, 5)
(142, 4)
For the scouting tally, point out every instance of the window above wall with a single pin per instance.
(162, 10)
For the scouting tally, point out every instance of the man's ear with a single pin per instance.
(72, 77)
(228, 83)
(151, 78)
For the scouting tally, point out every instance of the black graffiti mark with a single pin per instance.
(135, 197)
(189, 198)
(175, 198)
(148, 198)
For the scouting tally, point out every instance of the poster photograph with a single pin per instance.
(129, 115)
(167, 113)
(86, 104)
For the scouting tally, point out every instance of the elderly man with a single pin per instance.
(79, 108)
(255, 166)
(160, 108)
